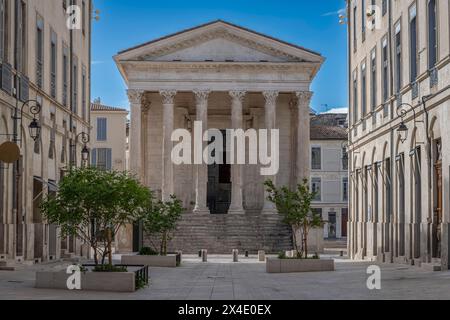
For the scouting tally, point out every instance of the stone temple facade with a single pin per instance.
(227, 77)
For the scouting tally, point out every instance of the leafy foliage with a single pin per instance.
(92, 205)
(162, 220)
(147, 251)
(295, 207)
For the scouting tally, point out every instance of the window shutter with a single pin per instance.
(109, 159)
(94, 157)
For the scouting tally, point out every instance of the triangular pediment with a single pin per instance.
(219, 42)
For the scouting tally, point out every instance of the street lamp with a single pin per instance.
(85, 139)
(34, 128)
(403, 130)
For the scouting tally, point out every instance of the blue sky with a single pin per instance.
(311, 24)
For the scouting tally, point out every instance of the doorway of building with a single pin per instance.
(344, 232)
(219, 182)
(437, 227)
(332, 225)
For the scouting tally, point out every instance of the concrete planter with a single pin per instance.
(90, 281)
(151, 261)
(298, 265)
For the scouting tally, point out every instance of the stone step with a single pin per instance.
(222, 234)
(431, 267)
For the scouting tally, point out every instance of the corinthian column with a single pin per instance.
(168, 97)
(303, 135)
(237, 207)
(201, 170)
(135, 98)
(270, 124)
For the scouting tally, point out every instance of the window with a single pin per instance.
(316, 158)
(75, 85)
(53, 55)
(316, 186)
(51, 150)
(413, 43)
(4, 29)
(65, 77)
(22, 37)
(388, 189)
(102, 158)
(385, 71)
(344, 159)
(432, 34)
(83, 94)
(345, 189)
(384, 7)
(355, 98)
(355, 38)
(318, 212)
(373, 80)
(39, 51)
(363, 90)
(401, 201)
(363, 19)
(83, 17)
(101, 129)
(398, 58)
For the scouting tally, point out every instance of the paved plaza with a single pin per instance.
(247, 280)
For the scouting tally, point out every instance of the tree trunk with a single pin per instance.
(305, 241)
(294, 235)
(164, 244)
(95, 255)
(110, 260)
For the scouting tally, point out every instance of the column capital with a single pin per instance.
(135, 96)
(238, 95)
(168, 96)
(304, 98)
(201, 96)
(271, 96)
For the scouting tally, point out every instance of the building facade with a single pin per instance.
(44, 61)
(108, 138)
(329, 173)
(226, 77)
(399, 135)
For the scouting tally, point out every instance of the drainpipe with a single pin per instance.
(71, 152)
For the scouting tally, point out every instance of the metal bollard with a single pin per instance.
(262, 256)
(235, 255)
(205, 255)
(247, 254)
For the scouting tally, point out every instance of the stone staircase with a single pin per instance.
(220, 234)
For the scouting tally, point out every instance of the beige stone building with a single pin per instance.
(44, 61)
(329, 173)
(399, 132)
(108, 138)
(227, 77)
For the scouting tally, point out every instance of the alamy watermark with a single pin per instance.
(74, 280)
(237, 142)
(374, 280)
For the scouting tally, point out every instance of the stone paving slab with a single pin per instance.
(247, 280)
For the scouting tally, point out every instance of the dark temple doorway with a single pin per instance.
(219, 183)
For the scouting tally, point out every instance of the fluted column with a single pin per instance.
(168, 97)
(237, 200)
(270, 124)
(135, 98)
(303, 135)
(201, 170)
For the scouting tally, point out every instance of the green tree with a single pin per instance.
(93, 205)
(295, 207)
(162, 220)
